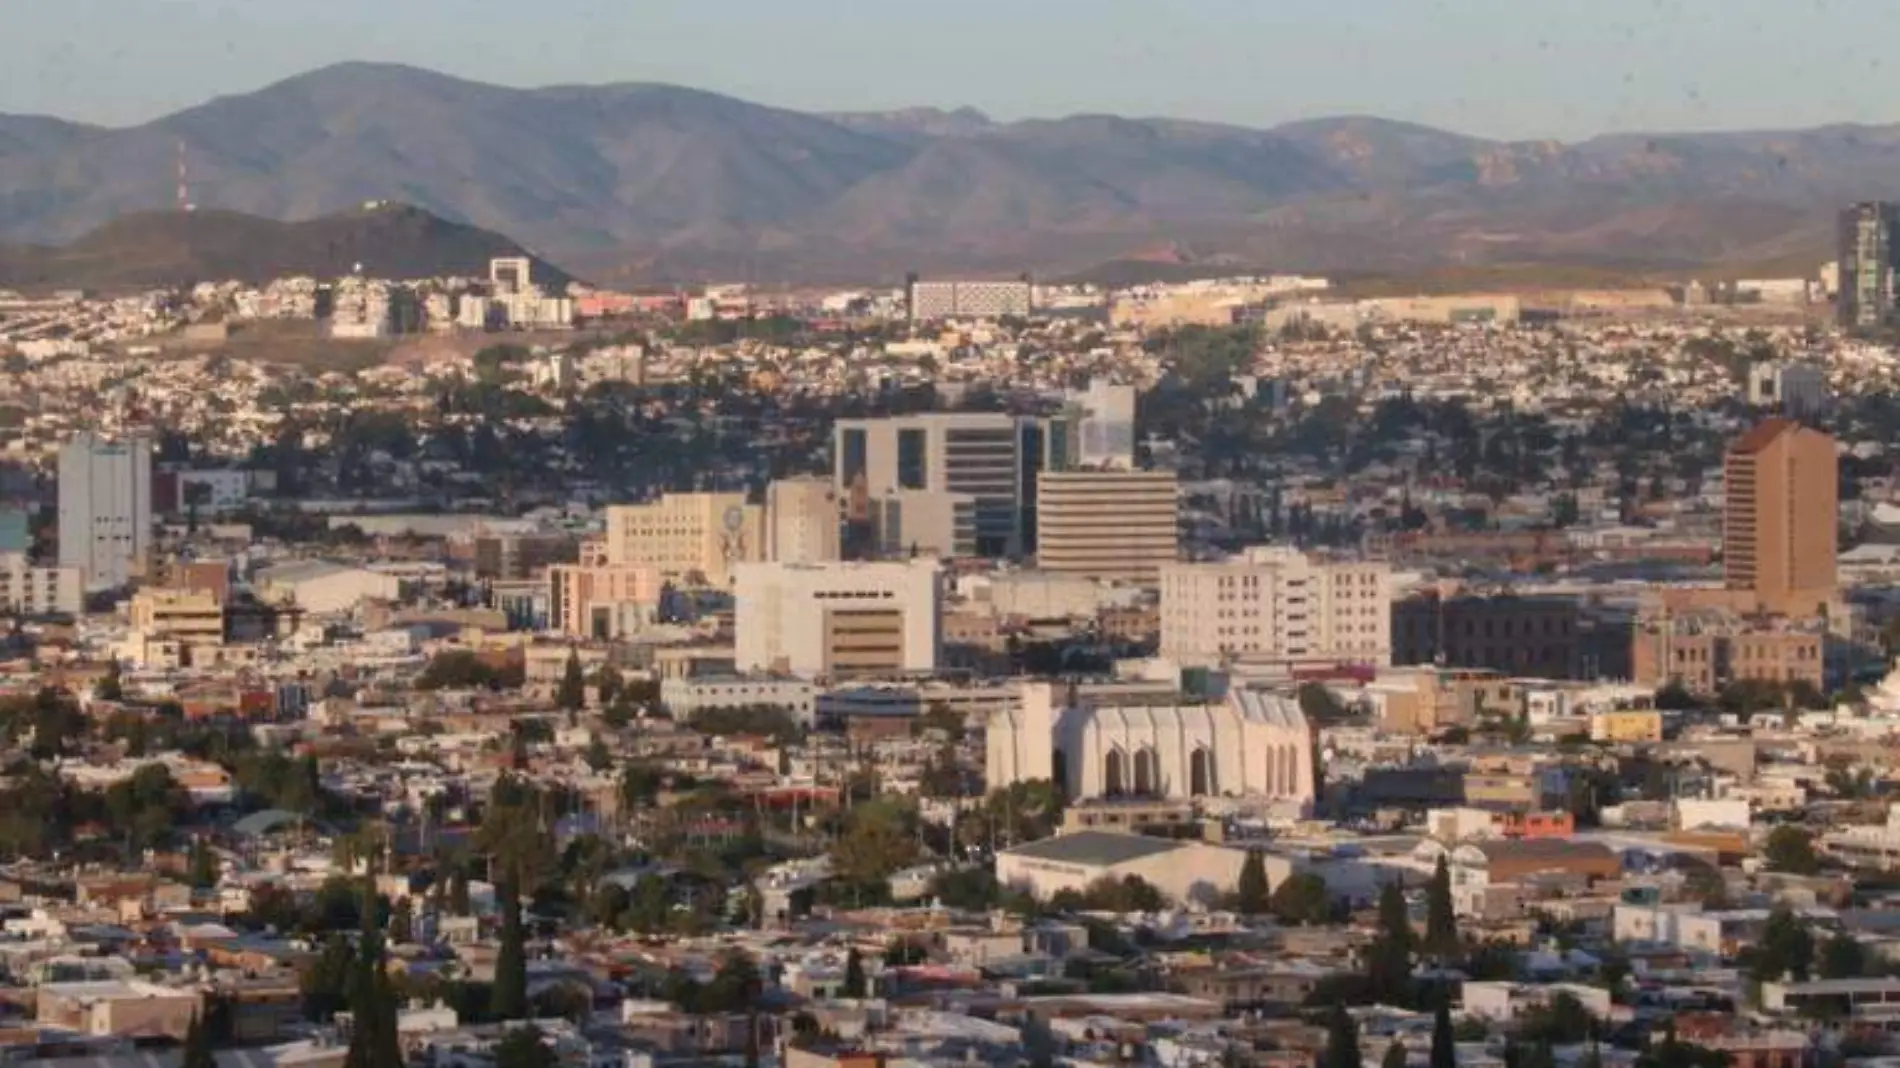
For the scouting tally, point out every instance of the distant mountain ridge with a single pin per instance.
(166, 248)
(654, 182)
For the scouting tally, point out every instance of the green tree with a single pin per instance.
(1321, 706)
(1842, 957)
(1562, 1021)
(509, 998)
(854, 981)
(524, 1047)
(373, 1004)
(1791, 849)
(325, 980)
(879, 838)
(111, 687)
(513, 833)
(1302, 898)
(402, 922)
(204, 865)
(572, 694)
(197, 1048)
(1441, 920)
(1251, 896)
(1444, 1039)
(1786, 948)
(1342, 1041)
(1389, 958)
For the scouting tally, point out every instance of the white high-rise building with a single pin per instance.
(803, 518)
(839, 620)
(1106, 431)
(105, 508)
(1274, 606)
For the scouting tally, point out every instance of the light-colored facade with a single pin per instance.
(26, 590)
(839, 620)
(105, 509)
(921, 523)
(601, 602)
(970, 300)
(1252, 745)
(684, 698)
(1705, 651)
(804, 519)
(993, 459)
(112, 1007)
(1782, 523)
(1277, 606)
(1185, 871)
(322, 587)
(1797, 390)
(1117, 525)
(1105, 432)
(687, 537)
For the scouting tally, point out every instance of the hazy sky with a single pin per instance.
(1508, 68)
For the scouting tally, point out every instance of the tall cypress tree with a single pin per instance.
(510, 996)
(854, 981)
(1441, 919)
(572, 694)
(1251, 896)
(197, 1051)
(1342, 1041)
(1389, 958)
(1444, 1041)
(373, 1039)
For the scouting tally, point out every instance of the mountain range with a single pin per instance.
(640, 182)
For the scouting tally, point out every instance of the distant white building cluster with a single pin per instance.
(510, 299)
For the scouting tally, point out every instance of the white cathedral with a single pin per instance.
(1251, 745)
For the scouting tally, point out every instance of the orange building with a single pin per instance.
(1782, 518)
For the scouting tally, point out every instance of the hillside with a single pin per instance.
(648, 182)
(175, 248)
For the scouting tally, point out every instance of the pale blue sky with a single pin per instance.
(1507, 68)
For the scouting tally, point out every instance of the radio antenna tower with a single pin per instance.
(184, 185)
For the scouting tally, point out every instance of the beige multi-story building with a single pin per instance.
(803, 521)
(687, 537)
(839, 620)
(1114, 525)
(1782, 521)
(601, 601)
(1708, 649)
(26, 590)
(193, 615)
(1277, 606)
(1425, 700)
(175, 628)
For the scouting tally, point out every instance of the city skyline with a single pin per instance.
(1474, 66)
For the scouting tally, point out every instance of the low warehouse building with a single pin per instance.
(1184, 870)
